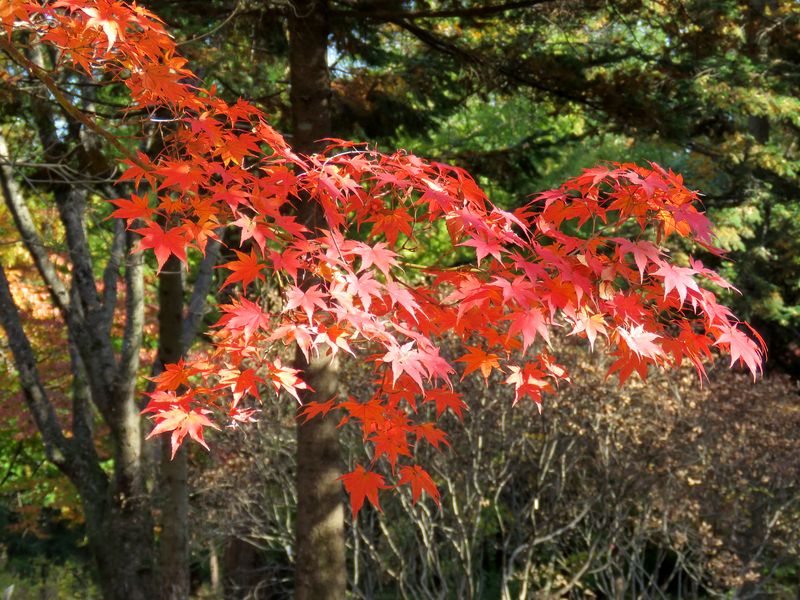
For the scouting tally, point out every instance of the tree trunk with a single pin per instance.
(213, 567)
(320, 569)
(309, 78)
(242, 570)
(174, 488)
(121, 540)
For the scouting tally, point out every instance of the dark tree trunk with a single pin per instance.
(173, 480)
(320, 569)
(310, 82)
(122, 543)
(243, 569)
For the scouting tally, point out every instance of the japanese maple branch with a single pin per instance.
(73, 111)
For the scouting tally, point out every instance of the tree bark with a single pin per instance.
(309, 77)
(122, 542)
(320, 569)
(174, 477)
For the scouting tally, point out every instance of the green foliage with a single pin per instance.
(53, 581)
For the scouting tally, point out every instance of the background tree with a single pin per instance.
(71, 165)
(320, 570)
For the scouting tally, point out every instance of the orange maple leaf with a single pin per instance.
(361, 484)
(476, 359)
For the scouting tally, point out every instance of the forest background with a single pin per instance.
(658, 490)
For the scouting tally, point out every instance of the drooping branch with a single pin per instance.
(472, 58)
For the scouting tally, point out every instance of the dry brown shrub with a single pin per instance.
(660, 489)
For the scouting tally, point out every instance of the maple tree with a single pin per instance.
(588, 256)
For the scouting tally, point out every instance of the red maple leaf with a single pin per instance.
(243, 315)
(286, 378)
(529, 380)
(477, 359)
(678, 278)
(163, 243)
(485, 246)
(137, 207)
(643, 251)
(405, 359)
(377, 254)
(529, 323)
(307, 300)
(181, 422)
(179, 175)
(313, 409)
(246, 268)
(174, 376)
(431, 434)
(104, 17)
(361, 484)
(641, 341)
(392, 224)
(420, 482)
(444, 399)
(398, 294)
(391, 442)
(592, 325)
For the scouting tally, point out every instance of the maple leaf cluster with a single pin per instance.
(560, 261)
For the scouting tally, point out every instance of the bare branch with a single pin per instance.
(134, 321)
(111, 273)
(198, 301)
(474, 59)
(72, 110)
